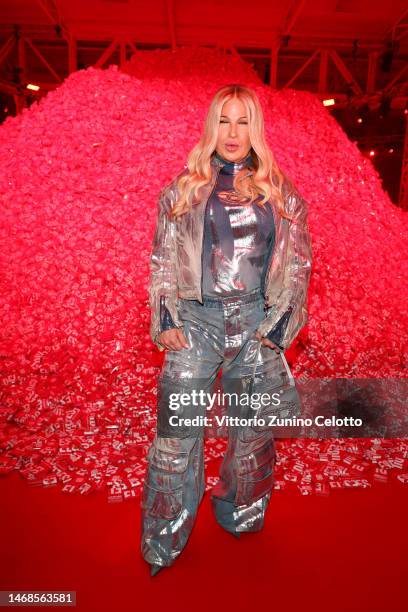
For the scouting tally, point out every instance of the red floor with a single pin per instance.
(343, 552)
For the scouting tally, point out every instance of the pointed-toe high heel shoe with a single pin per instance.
(154, 569)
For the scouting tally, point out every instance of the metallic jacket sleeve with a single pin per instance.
(286, 317)
(163, 279)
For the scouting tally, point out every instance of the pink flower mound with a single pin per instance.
(204, 66)
(81, 174)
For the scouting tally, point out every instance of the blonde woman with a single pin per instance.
(230, 269)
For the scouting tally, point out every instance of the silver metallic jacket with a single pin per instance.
(176, 263)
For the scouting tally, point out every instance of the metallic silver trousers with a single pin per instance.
(220, 333)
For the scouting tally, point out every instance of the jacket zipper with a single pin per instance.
(217, 169)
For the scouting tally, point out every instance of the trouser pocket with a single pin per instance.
(162, 504)
(274, 383)
(163, 489)
(255, 461)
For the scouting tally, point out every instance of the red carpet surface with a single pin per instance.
(344, 551)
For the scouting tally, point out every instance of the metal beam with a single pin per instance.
(44, 61)
(122, 53)
(397, 24)
(172, 26)
(324, 60)
(6, 48)
(72, 55)
(372, 71)
(302, 68)
(22, 63)
(345, 72)
(396, 78)
(294, 10)
(273, 66)
(8, 87)
(53, 12)
(106, 54)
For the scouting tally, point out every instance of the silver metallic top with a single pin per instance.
(238, 237)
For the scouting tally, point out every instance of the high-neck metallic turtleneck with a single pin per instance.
(238, 237)
(231, 167)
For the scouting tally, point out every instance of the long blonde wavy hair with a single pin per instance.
(265, 179)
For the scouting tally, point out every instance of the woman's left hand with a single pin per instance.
(268, 342)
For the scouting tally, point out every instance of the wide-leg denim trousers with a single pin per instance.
(221, 335)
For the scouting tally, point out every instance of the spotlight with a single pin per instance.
(372, 153)
(329, 102)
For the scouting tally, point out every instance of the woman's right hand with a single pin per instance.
(173, 339)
